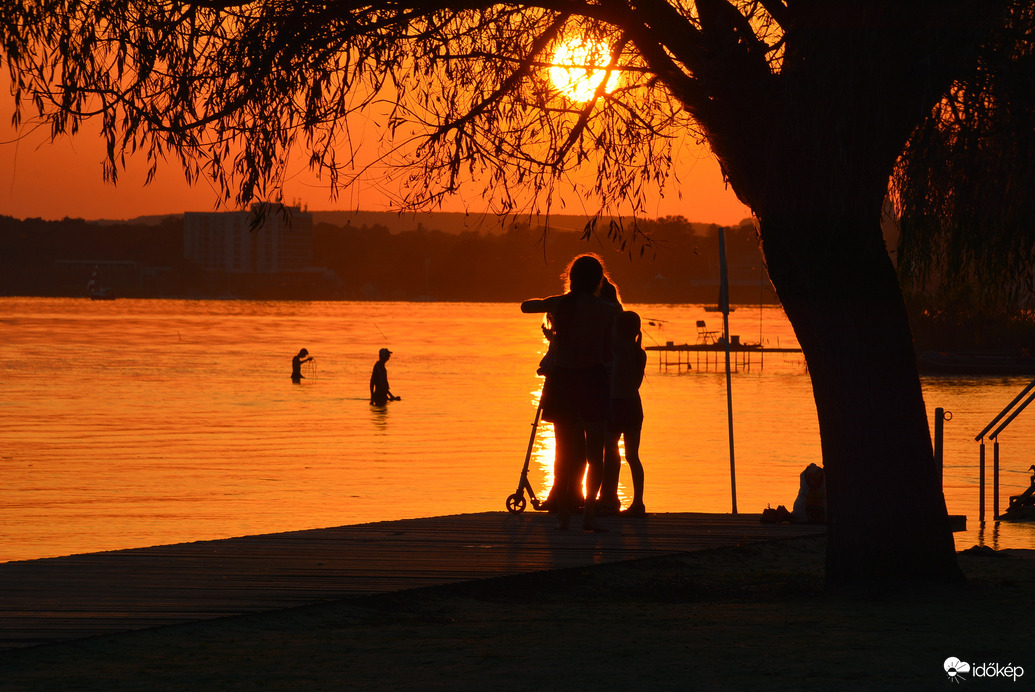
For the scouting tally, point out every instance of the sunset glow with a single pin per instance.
(580, 81)
(53, 180)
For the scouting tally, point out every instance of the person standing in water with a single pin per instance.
(379, 392)
(296, 364)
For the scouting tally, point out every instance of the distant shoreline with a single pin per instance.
(374, 257)
(702, 304)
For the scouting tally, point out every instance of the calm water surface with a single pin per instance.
(135, 423)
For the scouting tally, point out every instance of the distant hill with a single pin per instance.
(459, 222)
(152, 220)
(453, 223)
(447, 222)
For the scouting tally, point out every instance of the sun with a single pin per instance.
(575, 71)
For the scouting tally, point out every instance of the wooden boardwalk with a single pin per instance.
(66, 598)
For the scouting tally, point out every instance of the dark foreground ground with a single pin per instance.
(753, 617)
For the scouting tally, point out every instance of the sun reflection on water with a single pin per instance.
(544, 452)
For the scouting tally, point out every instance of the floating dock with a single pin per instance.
(691, 356)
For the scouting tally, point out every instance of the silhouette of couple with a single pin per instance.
(592, 371)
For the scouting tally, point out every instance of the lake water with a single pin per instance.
(134, 423)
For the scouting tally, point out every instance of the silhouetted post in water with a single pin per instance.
(940, 416)
(724, 305)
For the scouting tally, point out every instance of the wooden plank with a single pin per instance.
(84, 595)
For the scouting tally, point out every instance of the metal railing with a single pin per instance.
(1007, 416)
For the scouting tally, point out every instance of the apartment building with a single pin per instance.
(228, 242)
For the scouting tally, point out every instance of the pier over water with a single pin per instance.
(691, 356)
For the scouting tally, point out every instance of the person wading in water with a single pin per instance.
(296, 364)
(379, 392)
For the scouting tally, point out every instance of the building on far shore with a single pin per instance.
(230, 242)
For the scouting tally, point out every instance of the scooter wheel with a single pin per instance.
(516, 503)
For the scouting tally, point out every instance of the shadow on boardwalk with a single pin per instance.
(748, 617)
(83, 595)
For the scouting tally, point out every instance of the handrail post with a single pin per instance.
(995, 480)
(981, 484)
(939, 427)
(1017, 407)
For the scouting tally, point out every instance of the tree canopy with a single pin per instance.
(459, 88)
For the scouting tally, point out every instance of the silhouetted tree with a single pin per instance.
(806, 103)
(965, 186)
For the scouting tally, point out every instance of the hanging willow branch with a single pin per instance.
(965, 186)
(459, 91)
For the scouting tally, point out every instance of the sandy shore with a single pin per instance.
(751, 617)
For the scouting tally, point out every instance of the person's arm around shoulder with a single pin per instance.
(533, 305)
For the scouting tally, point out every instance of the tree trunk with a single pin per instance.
(887, 520)
(812, 157)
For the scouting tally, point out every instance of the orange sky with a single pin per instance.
(63, 179)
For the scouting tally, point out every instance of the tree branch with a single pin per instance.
(538, 46)
(779, 11)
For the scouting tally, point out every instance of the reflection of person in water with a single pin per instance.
(296, 364)
(581, 396)
(379, 392)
